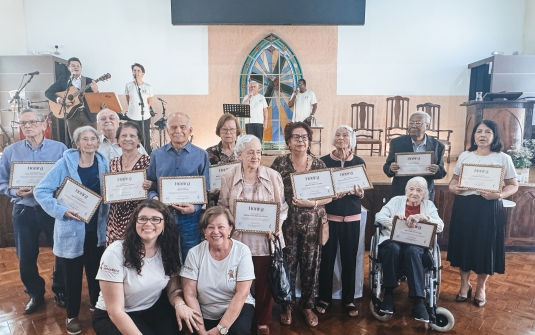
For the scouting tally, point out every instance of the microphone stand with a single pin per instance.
(19, 106)
(142, 105)
(161, 123)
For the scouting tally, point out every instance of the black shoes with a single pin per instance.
(479, 303)
(420, 312)
(387, 305)
(59, 298)
(33, 305)
(460, 298)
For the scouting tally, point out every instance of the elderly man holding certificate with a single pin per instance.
(477, 229)
(412, 208)
(175, 162)
(306, 215)
(415, 154)
(22, 166)
(255, 184)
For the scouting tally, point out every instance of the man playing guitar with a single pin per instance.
(81, 116)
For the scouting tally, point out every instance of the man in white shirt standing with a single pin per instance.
(305, 103)
(132, 98)
(259, 113)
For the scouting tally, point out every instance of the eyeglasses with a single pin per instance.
(31, 123)
(228, 130)
(297, 137)
(154, 219)
(417, 123)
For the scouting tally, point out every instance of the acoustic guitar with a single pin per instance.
(75, 96)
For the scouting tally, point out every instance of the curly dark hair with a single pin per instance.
(129, 124)
(134, 249)
(291, 126)
(496, 145)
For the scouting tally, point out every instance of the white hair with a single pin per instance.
(39, 116)
(422, 182)
(79, 131)
(427, 116)
(352, 135)
(242, 142)
(181, 114)
(106, 110)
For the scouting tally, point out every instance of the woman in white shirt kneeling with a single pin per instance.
(217, 277)
(133, 274)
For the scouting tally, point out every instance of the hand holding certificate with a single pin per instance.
(414, 163)
(345, 179)
(78, 198)
(179, 190)
(124, 186)
(313, 185)
(216, 171)
(28, 174)
(256, 216)
(421, 233)
(479, 177)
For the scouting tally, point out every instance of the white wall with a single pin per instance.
(423, 47)
(529, 28)
(12, 27)
(109, 36)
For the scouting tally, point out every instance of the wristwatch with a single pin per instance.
(222, 330)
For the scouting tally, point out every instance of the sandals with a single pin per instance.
(323, 306)
(286, 319)
(311, 319)
(351, 310)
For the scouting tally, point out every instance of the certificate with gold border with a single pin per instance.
(422, 234)
(77, 197)
(178, 190)
(124, 186)
(346, 178)
(28, 174)
(256, 216)
(216, 171)
(313, 185)
(414, 163)
(482, 177)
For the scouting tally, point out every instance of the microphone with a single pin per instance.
(162, 100)
(135, 76)
(35, 73)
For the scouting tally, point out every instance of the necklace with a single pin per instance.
(126, 164)
(254, 185)
(307, 163)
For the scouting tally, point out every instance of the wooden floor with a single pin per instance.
(510, 309)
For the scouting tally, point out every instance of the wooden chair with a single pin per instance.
(362, 121)
(397, 118)
(434, 128)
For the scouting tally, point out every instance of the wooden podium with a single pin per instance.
(514, 119)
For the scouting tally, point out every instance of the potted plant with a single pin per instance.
(522, 159)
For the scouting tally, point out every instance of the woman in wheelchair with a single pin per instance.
(403, 259)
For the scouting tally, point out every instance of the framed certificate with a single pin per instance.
(313, 185)
(256, 216)
(480, 177)
(176, 190)
(414, 163)
(216, 171)
(28, 174)
(423, 234)
(79, 198)
(124, 186)
(344, 179)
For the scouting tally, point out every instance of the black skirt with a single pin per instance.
(477, 235)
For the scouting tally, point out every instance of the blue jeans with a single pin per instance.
(188, 228)
(28, 223)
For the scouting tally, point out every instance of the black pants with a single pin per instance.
(256, 129)
(242, 325)
(158, 319)
(347, 234)
(75, 266)
(399, 259)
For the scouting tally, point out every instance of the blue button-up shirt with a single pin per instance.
(22, 151)
(188, 161)
(420, 148)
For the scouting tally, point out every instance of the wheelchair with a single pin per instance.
(440, 319)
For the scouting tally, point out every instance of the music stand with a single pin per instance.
(95, 101)
(237, 110)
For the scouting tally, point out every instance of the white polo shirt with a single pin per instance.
(303, 105)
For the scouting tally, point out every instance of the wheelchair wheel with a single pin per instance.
(444, 320)
(378, 315)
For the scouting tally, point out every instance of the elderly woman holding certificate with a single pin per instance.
(79, 244)
(129, 138)
(253, 182)
(477, 229)
(396, 256)
(228, 129)
(305, 218)
(344, 226)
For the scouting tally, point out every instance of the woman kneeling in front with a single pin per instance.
(397, 257)
(133, 274)
(217, 277)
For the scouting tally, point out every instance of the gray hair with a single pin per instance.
(427, 116)
(181, 114)
(352, 135)
(422, 182)
(106, 110)
(79, 131)
(40, 117)
(242, 142)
